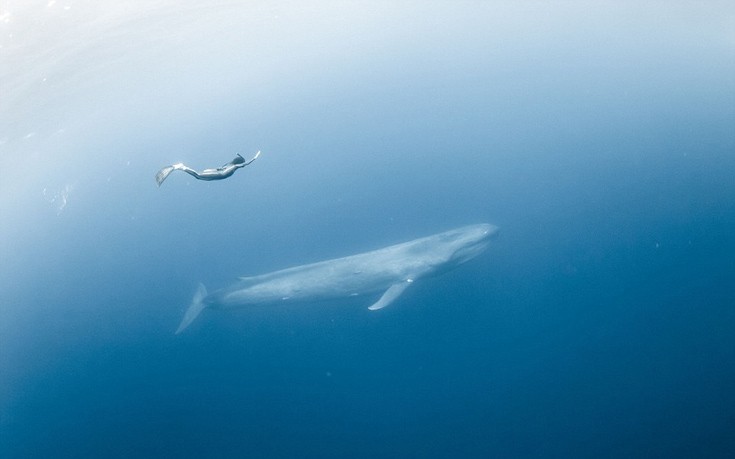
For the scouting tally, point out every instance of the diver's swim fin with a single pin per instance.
(163, 173)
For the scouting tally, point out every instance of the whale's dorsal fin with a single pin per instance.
(390, 295)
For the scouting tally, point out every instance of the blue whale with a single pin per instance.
(389, 270)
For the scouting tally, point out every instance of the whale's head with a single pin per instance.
(463, 244)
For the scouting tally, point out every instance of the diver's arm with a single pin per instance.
(226, 170)
(251, 160)
(237, 163)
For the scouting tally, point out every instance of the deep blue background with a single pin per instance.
(601, 322)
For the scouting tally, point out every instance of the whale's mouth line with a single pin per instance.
(474, 248)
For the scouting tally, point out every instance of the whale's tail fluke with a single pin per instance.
(196, 306)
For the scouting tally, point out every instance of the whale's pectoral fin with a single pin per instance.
(390, 295)
(196, 306)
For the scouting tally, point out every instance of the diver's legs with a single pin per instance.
(188, 170)
(163, 173)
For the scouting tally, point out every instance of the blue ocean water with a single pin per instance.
(599, 137)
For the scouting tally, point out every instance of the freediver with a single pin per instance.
(207, 174)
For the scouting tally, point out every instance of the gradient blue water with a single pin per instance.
(601, 322)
